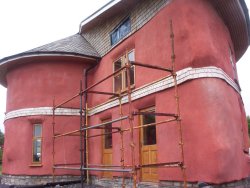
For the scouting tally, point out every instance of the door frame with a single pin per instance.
(147, 109)
(103, 149)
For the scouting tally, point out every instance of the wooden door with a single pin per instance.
(148, 146)
(107, 148)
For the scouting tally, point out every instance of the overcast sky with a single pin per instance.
(26, 24)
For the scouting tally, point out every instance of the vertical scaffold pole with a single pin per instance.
(177, 105)
(87, 145)
(131, 118)
(53, 140)
(122, 144)
(85, 124)
(81, 134)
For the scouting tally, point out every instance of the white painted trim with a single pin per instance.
(183, 75)
(41, 111)
(44, 55)
(98, 12)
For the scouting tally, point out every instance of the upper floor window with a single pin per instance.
(120, 31)
(37, 143)
(120, 79)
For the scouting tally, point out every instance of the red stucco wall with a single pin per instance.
(215, 132)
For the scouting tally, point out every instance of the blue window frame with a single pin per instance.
(120, 31)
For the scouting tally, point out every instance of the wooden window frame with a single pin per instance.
(34, 138)
(124, 88)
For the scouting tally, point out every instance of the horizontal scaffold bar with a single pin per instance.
(113, 132)
(104, 93)
(92, 86)
(66, 134)
(99, 126)
(169, 165)
(106, 123)
(101, 165)
(151, 66)
(155, 113)
(66, 101)
(102, 80)
(151, 124)
(94, 169)
(67, 164)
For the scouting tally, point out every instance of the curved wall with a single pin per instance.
(34, 85)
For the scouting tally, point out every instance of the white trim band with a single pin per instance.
(41, 111)
(165, 83)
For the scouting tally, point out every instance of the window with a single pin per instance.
(37, 144)
(120, 79)
(108, 136)
(120, 31)
(148, 133)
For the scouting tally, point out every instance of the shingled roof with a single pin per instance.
(73, 45)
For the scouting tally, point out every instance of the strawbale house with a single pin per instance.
(210, 36)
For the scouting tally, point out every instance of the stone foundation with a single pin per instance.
(35, 180)
(115, 182)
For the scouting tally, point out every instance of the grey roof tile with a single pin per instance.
(75, 44)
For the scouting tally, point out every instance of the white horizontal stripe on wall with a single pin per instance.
(41, 111)
(183, 75)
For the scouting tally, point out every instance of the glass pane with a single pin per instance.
(131, 56)
(118, 82)
(114, 37)
(132, 76)
(117, 65)
(108, 137)
(149, 133)
(37, 130)
(121, 31)
(37, 148)
(124, 28)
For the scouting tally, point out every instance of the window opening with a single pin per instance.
(120, 31)
(120, 79)
(149, 133)
(108, 136)
(37, 143)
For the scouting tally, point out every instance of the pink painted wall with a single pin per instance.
(215, 129)
(215, 132)
(201, 39)
(17, 158)
(35, 85)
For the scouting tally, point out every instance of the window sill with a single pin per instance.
(35, 165)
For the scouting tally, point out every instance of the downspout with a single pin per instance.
(86, 71)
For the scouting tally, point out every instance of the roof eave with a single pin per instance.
(48, 54)
(10, 61)
(98, 13)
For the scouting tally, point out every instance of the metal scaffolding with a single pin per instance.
(84, 167)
